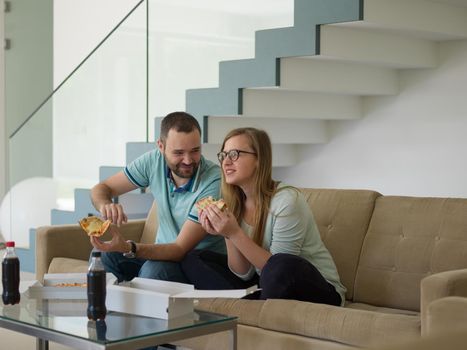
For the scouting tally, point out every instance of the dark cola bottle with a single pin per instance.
(10, 275)
(96, 288)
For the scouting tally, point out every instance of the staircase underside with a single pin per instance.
(352, 51)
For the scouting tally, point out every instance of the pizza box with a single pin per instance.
(149, 297)
(62, 286)
(161, 299)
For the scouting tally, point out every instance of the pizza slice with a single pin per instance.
(94, 226)
(203, 203)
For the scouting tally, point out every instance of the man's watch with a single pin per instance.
(132, 253)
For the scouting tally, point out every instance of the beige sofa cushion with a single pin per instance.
(449, 340)
(343, 217)
(338, 324)
(249, 337)
(408, 239)
(67, 265)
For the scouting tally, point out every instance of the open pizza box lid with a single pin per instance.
(161, 299)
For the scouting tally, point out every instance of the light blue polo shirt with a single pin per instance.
(176, 205)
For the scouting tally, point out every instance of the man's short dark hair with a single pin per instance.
(180, 121)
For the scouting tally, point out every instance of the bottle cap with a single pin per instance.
(95, 254)
(10, 244)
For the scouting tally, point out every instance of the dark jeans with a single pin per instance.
(209, 270)
(284, 276)
(126, 269)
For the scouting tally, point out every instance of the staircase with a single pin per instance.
(305, 76)
(318, 71)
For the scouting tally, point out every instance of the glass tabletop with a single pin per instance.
(69, 317)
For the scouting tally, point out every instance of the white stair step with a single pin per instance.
(282, 154)
(277, 103)
(281, 130)
(434, 20)
(376, 47)
(316, 74)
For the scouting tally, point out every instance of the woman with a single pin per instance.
(269, 231)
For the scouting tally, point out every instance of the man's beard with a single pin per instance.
(181, 171)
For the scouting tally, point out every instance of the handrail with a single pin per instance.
(74, 70)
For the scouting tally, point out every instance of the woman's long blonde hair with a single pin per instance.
(265, 186)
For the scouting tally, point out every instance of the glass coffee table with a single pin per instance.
(65, 322)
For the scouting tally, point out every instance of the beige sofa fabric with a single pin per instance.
(438, 286)
(449, 340)
(58, 265)
(408, 239)
(349, 326)
(342, 216)
(447, 314)
(262, 339)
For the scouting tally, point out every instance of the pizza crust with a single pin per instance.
(203, 203)
(94, 226)
(72, 284)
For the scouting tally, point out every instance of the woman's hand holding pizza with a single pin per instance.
(218, 222)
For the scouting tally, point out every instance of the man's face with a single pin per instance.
(182, 152)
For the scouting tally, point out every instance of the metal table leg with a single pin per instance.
(233, 338)
(42, 344)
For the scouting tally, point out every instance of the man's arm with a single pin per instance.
(190, 235)
(102, 193)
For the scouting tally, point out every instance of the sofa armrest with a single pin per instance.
(70, 241)
(446, 314)
(440, 285)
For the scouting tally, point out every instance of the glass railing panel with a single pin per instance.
(28, 58)
(85, 124)
(188, 39)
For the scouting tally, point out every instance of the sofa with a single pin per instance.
(447, 327)
(397, 256)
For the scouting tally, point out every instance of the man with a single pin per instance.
(178, 176)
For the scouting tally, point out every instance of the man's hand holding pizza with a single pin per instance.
(116, 244)
(113, 212)
(96, 227)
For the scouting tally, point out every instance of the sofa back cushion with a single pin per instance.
(151, 225)
(343, 217)
(408, 239)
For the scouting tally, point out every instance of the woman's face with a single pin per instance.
(239, 172)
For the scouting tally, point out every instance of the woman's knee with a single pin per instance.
(279, 276)
(279, 265)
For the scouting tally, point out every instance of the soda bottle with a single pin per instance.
(10, 275)
(96, 288)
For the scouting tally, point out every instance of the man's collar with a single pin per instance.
(189, 186)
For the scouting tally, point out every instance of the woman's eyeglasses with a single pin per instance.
(233, 155)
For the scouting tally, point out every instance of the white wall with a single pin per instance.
(414, 143)
(79, 26)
